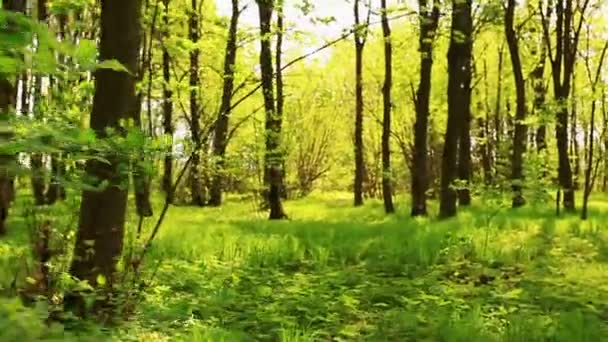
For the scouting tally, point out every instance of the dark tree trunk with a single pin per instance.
(387, 186)
(485, 133)
(142, 180)
(196, 186)
(520, 132)
(280, 83)
(38, 179)
(459, 94)
(539, 100)
(360, 40)
(429, 19)
(563, 58)
(99, 239)
(221, 125)
(55, 190)
(273, 153)
(8, 99)
(465, 164)
(498, 124)
(590, 171)
(167, 182)
(36, 159)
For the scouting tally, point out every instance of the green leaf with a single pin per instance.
(112, 64)
(101, 279)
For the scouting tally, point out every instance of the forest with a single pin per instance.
(304, 170)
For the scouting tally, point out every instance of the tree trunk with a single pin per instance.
(590, 171)
(221, 125)
(280, 83)
(498, 125)
(539, 100)
(465, 164)
(196, 186)
(387, 186)
(8, 99)
(99, 239)
(273, 120)
(459, 92)
(167, 182)
(360, 40)
(563, 60)
(55, 190)
(519, 136)
(429, 19)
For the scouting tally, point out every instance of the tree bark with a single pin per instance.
(563, 58)
(8, 99)
(167, 181)
(221, 126)
(360, 40)
(539, 100)
(99, 239)
(196, 186)
(459, 94)
(589, 171)
(429, 20)
(465, 164)
(520, 132)
(272, 158)
(387, 185)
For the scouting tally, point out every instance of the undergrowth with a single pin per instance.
(347, 274)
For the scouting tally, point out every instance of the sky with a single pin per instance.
(339, 9)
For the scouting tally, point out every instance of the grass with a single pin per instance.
(339, 273)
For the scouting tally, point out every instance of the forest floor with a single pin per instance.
(339, 273)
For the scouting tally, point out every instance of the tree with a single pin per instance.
(563, 57)
(272, 157)
(459, 95)
(594, 80)
(38, 182)
(221, 125)
(196, 186)
(360, 40)
(167, 182)
(99, 239)
(429, 20)
(8, 95)
(387, 186)
(520, 136)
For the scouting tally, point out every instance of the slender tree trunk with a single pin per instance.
(8, 99)
(387, 186)
(273, 121)
(539, 100)
(55, 190)
(520, 133)
(465, 164)
(196, 186)
(99, 239)
(498, 125)
(167, 182)
(459, 92)
(429, 20)
(221, 126)
(589, 171)
(36, 159)
(360, 40)
(484, 131)
(563, 59)
(280, 84)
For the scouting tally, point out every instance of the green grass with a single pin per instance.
(334, 272)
